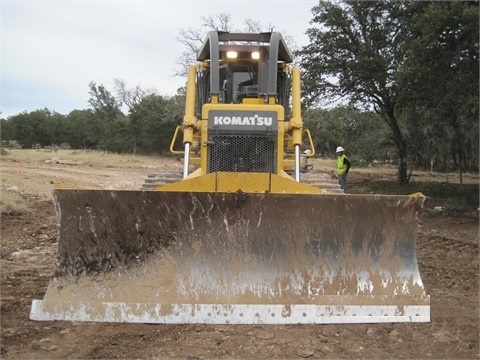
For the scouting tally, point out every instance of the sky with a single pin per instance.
(52, 49)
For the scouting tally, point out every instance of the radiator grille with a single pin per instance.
(234, 153)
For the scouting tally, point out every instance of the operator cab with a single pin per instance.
(239, 81)
(244, 66)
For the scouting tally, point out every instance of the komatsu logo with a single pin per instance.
(243, 120)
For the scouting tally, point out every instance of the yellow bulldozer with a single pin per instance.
(239, 238)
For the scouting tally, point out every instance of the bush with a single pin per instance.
(12, 203)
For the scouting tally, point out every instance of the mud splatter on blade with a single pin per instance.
(180, 257)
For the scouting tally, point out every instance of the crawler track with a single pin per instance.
(322, 180)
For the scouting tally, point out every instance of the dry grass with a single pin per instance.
(12, 203)
(111, 160)
(388, 172)
(90, 158)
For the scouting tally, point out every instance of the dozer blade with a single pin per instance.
(219, 258)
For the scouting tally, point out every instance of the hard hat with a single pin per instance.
(308, 151)
(340, 149)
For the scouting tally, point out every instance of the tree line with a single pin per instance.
(414, 63)
(125, 120)
(149, 124)
(394, 81)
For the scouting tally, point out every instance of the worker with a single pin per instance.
(343, 166)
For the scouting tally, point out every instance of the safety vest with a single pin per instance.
(341, 167)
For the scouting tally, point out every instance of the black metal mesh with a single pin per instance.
(236, 153)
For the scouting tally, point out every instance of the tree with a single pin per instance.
(52, 130)
(107, 115)
(362, 132)
(102, 101)
(23, 128)
(8, 130)
(129, 96)
(192, 38)
(153, 122)
(79, 124)
(440, 83)
(355, 54)
(28, 128)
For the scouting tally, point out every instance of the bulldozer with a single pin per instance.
(237, 238)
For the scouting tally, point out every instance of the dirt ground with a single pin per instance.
(447, 250)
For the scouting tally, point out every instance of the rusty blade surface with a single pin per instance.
(135, 247)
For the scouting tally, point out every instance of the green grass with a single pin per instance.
(455, 197)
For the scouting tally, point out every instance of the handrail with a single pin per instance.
(174, 139)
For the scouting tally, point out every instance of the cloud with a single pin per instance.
(53, 49)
